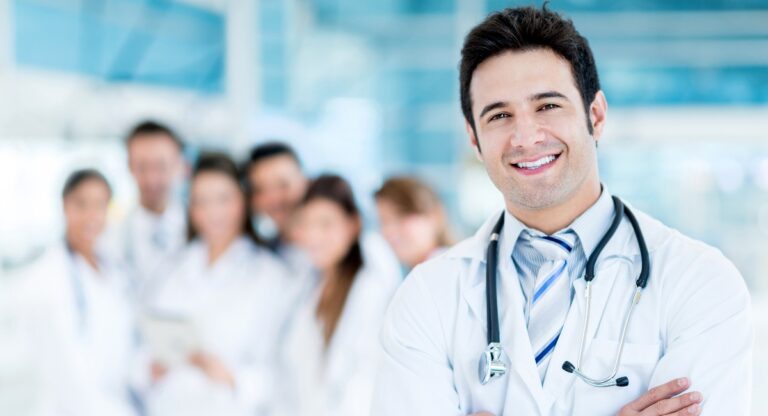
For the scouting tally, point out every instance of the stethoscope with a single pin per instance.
(492, 363)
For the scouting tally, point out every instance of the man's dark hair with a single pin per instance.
(524, 29)
(150, 127)
(269, 150)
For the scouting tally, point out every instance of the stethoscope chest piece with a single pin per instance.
(492, 363)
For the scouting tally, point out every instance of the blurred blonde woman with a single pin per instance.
(330, 353)
(413, 219)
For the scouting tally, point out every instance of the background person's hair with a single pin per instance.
(215, 162)
(153, 128)
(81, 176)
(269, 150)
(411, 196)
(525, 29)
(264, 152)
(335, 189)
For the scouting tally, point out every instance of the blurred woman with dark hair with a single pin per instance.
(413, 219)
(230, 294)
(82, 325)
(332, 344)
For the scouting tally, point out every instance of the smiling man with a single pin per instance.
(547, 310)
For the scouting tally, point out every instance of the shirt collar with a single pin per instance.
(590, 226)
(172, 212)
(594, 222)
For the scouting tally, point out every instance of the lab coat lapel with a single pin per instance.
(611, 273)
(513, 331)
(474, 251)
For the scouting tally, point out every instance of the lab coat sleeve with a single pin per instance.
(415, 375)
(709, 335)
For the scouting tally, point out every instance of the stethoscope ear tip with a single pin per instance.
(622, 382)
(567, 366)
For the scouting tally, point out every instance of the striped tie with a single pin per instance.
(551, 296)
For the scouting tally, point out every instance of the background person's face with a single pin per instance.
(325, 232)
(412, 236)
(156, 164)
(532, 128)
(85, 211)
(217, 207)
(277, 186)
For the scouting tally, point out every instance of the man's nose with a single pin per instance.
(526, 131)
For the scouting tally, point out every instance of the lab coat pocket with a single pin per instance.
(637, 363)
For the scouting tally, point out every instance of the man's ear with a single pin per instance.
(598, 113)
(473, 140)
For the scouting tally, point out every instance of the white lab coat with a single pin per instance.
(337, 381)
(238, 306)
(83, 366)
(693, 320)
(144, 241)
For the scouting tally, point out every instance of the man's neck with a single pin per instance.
(217, 249)
(553, 219)
(155, 208)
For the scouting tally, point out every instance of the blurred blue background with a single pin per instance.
(370, 88)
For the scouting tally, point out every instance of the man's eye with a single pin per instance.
(498, 116)
(549, 106)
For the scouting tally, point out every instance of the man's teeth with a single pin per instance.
(536, 163)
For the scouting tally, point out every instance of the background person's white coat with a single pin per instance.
(693, 320)
(238, 306)
(144, 241)
(84, 370)
(337, 381)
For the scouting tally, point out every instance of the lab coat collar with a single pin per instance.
(473, 248)
(594, 222)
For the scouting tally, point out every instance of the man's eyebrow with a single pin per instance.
(547, 94)
(491, 107)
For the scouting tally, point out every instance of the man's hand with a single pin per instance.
(660, 401)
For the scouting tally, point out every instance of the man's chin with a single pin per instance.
(536, 199)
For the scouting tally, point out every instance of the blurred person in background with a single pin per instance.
(276, 184)
(412, 219)
(231, 290)
(332, 344)
(154, 229)
(82, 335)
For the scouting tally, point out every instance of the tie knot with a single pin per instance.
(554, 247)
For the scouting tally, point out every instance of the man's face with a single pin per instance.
(532, 128)
(277, 186)
(156, 164)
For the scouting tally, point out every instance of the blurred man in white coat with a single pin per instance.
(155, 229)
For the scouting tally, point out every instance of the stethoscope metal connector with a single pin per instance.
(492, 364)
